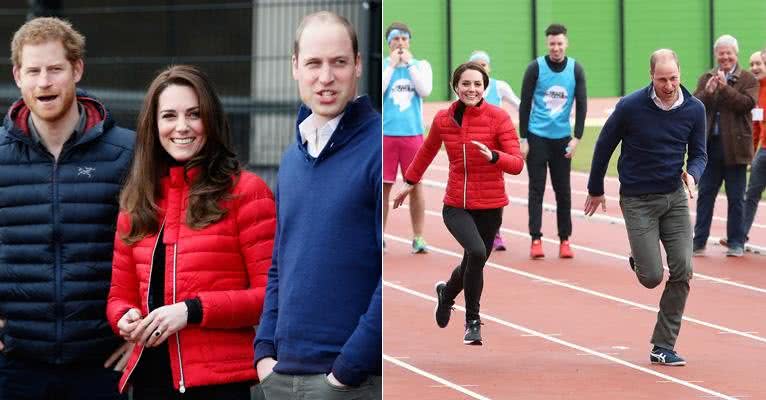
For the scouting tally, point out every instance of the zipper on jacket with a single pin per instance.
(57, 264)
(465, 179)
(151, 268)
(181, 387)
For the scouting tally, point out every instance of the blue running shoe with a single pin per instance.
(663, 356)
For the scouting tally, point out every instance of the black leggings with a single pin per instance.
(474, 230)
(152, 380)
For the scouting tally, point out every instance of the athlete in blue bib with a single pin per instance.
(406, 81)
(551, 85)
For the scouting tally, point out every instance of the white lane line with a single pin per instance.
(579, 214)
(718, 328)
(578, 174)
(624, 258)
(433, 377)
(571, 345)
(549, 334)
(584, 193)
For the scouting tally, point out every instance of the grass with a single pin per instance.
(584, 153)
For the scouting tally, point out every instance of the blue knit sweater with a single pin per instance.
(322, 311)
(654, 143)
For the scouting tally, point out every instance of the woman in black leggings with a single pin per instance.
(481, 145)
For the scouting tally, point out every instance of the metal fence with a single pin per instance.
(244, 46)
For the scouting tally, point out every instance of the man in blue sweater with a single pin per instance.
(657, 126)
(320, 334)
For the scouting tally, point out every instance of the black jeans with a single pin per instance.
(716, 173)
(474, 230)
(547, 154)
(153, 380)
(27, 380)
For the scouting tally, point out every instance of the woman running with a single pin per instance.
(481, 144)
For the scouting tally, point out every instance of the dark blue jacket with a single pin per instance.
(322, 311)
(654, 143)
(57, 223)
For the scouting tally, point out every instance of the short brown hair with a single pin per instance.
(466, 66)
(44, 29)
(325, 16)
(556, 29)
(663, 55)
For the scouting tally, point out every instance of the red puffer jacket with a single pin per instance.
(474, 183)
(225, 265)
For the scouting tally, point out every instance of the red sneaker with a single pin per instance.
(536, 251)
(564, 250)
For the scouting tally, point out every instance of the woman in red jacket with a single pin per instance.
(192, 249)
(481, 144)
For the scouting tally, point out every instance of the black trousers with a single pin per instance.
(152, 380)
(474, 230)
(545, 154)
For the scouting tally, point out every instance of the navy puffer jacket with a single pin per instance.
(57, 224)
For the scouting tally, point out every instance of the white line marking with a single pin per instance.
(583, 193)
(433, 377)
(577, 347)
(549, 334)
(591, 292)
(579, 214)
(697, 275)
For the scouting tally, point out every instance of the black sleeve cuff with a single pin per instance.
(195, 310)
(495, 157)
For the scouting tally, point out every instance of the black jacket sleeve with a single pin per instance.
(527, 91)
(581, 100)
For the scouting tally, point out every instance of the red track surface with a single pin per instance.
(568, 329)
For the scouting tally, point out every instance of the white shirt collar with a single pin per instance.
(675, 105)
(316, 137)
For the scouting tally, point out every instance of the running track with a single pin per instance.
(568, 329)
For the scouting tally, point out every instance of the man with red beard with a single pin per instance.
(63, 162)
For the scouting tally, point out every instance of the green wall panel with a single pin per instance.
(681, 25)
(746, 21)
(592, 28)
(428, 21)
(503, 29)
(499, 27)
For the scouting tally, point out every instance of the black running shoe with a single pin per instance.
(473, 333)
(443, 306)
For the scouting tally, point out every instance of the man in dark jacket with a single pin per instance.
(729, 94)
(320, 333)
(62, 162)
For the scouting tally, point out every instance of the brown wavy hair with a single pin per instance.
(218, 165)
